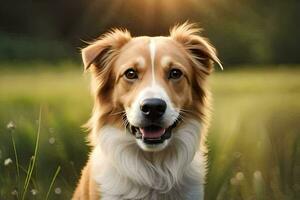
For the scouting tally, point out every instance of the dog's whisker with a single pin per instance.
(186, 111)
(125, 123)
(117, 113)
(180, 117)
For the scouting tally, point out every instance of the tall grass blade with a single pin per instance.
(27, 172)
(32, 179)
(17, 161)
(52, 182)
(31, 167)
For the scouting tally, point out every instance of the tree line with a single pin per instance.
(244, 31)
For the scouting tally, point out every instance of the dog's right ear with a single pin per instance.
(201, 52)
(103, 50)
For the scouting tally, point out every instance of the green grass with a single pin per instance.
(255, 135)
(254, 138)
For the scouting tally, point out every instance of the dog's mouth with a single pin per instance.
(152, 134)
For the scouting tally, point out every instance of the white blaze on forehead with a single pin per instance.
(152, 48)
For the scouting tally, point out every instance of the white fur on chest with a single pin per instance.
(123, 171)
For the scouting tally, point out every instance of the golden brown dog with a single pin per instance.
(150, 115)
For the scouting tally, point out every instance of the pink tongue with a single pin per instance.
(152, 133)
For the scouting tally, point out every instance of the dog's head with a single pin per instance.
(149, 86)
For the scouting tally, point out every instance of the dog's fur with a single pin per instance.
(121, 166)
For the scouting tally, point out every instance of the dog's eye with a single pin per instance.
(175, 74)
(131, 74)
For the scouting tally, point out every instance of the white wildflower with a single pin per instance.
(51, 140)
(34, 192)
(14, 192)
(57, 190)
(257, 174)
(11, 125)
(8, 161)
(239, 176)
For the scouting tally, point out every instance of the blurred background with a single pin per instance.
(254, 139)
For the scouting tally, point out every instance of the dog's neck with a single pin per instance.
(118, 157)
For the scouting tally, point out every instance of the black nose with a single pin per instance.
(153, 108)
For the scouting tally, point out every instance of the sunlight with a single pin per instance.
(148, 14)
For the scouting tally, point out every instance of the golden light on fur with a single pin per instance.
(133, 156)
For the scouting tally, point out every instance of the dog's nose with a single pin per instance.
(153, 108)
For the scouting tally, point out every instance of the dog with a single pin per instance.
(150, 116)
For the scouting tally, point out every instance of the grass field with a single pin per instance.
(254, 138)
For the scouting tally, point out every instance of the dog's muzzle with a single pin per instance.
(152, 129)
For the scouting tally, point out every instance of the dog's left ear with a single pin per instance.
(99, 52)
(201, 52)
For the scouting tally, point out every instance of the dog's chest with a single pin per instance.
(114, 186)
(124, 173)
(138, 192)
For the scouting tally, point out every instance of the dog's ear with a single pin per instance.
(201, 52)
(100, 52)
